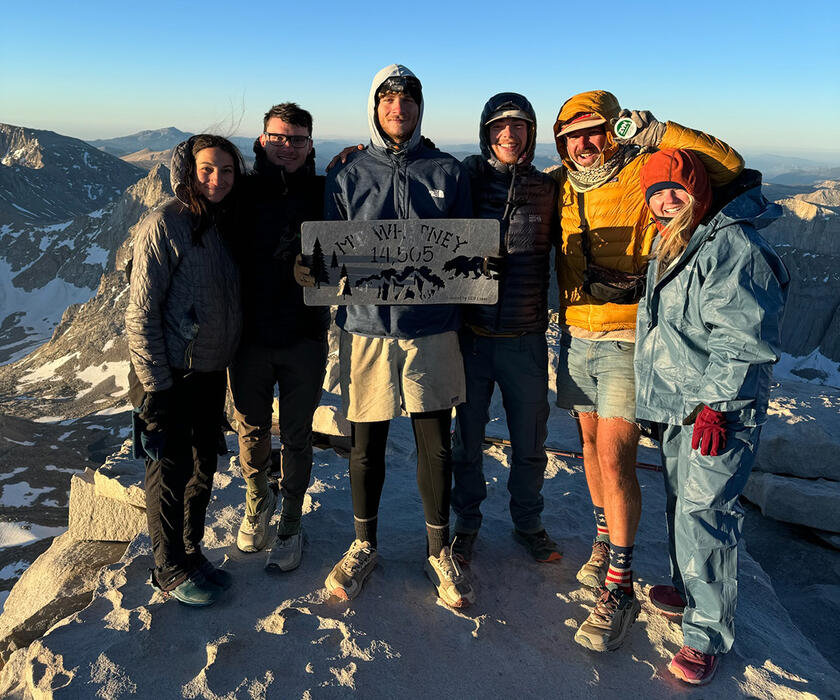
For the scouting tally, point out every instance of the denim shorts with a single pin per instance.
(596, 375)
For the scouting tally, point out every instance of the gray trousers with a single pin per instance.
(298, 372)
(704, 526)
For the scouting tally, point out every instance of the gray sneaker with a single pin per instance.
(347, 576)
(594, 572)
(453, 585)
(255, 532)
(610, 620)
(286, 552)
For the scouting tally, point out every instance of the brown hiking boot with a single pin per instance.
(594, 572)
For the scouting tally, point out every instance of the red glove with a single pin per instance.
(709, 432)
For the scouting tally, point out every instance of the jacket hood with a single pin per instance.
(179, 169)
(672, 166)
(750, 207)
(599, 102)
(494, 104)
(376, 137)
(180, 165)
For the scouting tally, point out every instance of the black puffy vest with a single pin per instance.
(526, 243)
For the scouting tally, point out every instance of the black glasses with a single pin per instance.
(284, 139)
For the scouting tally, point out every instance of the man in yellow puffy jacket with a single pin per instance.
(606, 236)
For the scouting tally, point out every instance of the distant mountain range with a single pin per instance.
(146, 148)
(154, 140)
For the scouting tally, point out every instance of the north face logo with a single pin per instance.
(437, 194)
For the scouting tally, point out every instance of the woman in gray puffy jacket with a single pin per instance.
(707, 336)
(183, 322)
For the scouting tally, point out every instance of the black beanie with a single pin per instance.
(659, 186)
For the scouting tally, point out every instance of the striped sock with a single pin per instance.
(620, 573)
(601, 529)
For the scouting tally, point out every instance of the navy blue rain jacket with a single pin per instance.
(406, 182)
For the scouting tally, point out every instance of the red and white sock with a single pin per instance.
(602, 531)
(620, 573)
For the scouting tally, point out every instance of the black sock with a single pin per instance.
(437, 537)
(366, 530)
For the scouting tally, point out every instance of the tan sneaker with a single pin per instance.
(610, 621)
(255, 532)
(347, 576)
(452, 584)
(594, 572)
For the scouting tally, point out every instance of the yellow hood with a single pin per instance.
(600, 102)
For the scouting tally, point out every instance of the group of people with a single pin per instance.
(669, 310)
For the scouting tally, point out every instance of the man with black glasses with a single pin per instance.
(283, 341)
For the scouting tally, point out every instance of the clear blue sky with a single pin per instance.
(762, 75)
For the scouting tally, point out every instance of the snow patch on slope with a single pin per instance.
(45, 371)
(16, 534)
(814, 368)
(40, 309)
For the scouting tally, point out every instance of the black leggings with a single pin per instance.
(434, 465)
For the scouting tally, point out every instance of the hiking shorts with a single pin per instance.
(382, 377)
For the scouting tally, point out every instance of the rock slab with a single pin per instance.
(815, 503)
(60, 582)
(95, 517)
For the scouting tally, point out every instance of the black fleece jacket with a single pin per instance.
(272, 206)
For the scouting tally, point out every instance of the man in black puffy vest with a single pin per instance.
(283, 341)
(505, 343)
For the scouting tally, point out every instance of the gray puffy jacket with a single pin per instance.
(707, 331)
(184, 308)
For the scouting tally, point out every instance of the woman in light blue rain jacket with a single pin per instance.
(707, 336)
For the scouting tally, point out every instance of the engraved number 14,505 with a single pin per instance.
(402, 254)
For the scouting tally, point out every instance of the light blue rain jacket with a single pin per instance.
(707, 331)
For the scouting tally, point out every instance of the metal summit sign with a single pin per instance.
(404, 261)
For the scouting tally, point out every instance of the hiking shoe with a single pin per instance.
(462, 546)
(694, 667)
(593, 573)
(453, 585)
(347, 576)
(667, 600)
(218, 577)
(254, 531)
(286, 553)
(610, 620)
(194, 590)
(539, 545)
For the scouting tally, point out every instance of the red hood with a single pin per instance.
(684, 168)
